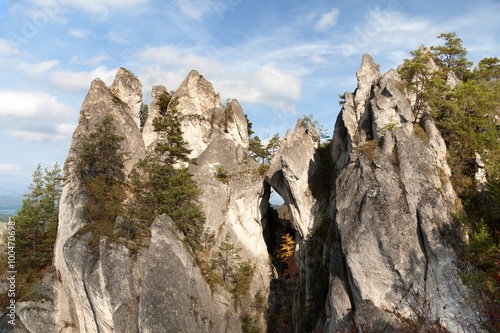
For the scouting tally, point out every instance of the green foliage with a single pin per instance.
(452, 54)
(162, 184)
(273, 146)
(417, 74)
(257, 149)
(465, 116)
(100, 152)
(36, 221)
(241, 282)
(249, 126)
(143, 115)
(171, 147)
(101, 164)
(262, 154)
(322, 132)
(220, 172)
(227, 259)
(158, 189)
(248, 325)
(233, 270)
(488, 69)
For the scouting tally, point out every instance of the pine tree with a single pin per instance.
(452, 54)
(37, 220)
(488, 69)
(101, 164)
(143, 115)
(273, 145)
(172, 146)
(257, 149)
(227, 258)
(417, 76)
(162, 183)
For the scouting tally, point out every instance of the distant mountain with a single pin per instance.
(11, 197)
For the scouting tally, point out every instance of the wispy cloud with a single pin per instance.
(265, 83)
(98, 8)
(70, 81)
(38, 69)
(327, 20)
(7, 48)
(8, 167)
(34, 105)
(35, 116)
(197, 9)
(79, 33)
(117, 37)
(385, 30)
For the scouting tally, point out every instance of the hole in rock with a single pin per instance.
(278, 234)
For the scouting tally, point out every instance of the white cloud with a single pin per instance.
(34, 136)
(80, 81)
(94, 61)
(32, 105)
(263, 83)
(386, 30)
(38, 69)
(79, 33)
(8, 167)
(7, 48)
(196, 9)
(318, 60)
(100, 9)
(327, 20)
(117, 37)
(65, 129)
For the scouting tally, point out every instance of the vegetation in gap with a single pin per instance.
(143, 115)
(262, 154)
(322, 132)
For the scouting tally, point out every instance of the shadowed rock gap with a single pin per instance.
(277, 229)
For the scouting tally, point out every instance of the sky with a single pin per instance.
(280, 59)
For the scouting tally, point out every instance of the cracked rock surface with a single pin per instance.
(392, 206)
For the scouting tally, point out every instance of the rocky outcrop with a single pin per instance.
(391, 206)
(122, 287)
(71, 298)
(290, 174)
(370, 220)
(127, 88)
(204, 118)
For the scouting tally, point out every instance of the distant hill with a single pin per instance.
(11, 197)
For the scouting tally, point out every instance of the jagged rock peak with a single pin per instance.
(368, 72)
(392, 206)
(128, 88)
(290, 171)
(196, 94)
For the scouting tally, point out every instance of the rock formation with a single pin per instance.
(391, 207)
(371, 221)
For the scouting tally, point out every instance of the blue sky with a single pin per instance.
(280, 59)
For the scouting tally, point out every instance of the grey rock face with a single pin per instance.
(392, 207)
(128, 88)
(114, 289)
(204, 118)
(99, 102)
(290, 173)
(184, 302)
